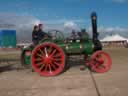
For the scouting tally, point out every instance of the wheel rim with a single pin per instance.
(48, 59)
(101, 62)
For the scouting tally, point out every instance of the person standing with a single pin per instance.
(73, 35)
(35, 35)
(84, 34)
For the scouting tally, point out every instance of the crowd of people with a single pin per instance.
(38, 34)
(79, 35)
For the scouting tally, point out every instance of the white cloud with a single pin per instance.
(16, 20)
(70, 24)
(103, 31)
(65, 26)
(62, 24)
(112, 29)
(62, 21)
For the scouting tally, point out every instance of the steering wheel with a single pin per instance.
(56, 34)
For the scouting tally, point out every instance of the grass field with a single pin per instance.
(10, 54)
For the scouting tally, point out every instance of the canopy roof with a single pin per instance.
(115, 37)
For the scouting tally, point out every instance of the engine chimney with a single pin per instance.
(95, 39)
(94, 26)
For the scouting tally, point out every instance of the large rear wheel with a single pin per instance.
(48, 59)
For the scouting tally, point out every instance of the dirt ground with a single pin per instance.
(73, 82)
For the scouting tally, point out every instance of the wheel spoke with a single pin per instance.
(50, 69)
(53, 66)
(39, 55)
(50, 50)
(97, 65)
(54, 51)
(103, 66)
(46, 52)
(41, 51)
(38, 64)
(56, 63)
(38, 59)
(57, 56)
(42, 67)
(105, 60)
(46, 67)
(57, 59)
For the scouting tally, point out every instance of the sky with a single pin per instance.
(112, 14)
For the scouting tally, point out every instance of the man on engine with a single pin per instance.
(41, 33)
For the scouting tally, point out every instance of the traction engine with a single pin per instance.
(49, 57)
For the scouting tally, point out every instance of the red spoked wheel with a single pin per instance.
(100, 62)
(48, 59)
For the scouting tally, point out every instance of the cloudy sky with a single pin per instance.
(112, 14)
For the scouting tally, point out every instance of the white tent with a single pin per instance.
(115, 37)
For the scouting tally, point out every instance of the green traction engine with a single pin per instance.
(48, 58)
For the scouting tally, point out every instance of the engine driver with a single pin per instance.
(41, 33)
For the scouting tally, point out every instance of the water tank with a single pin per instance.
(7, 38)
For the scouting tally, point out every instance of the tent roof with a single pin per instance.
(114, 38)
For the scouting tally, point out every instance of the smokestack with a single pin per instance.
(94, 26)
(97, 43)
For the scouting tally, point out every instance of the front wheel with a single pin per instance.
(100, 62)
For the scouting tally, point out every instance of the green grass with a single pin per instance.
(7, 55)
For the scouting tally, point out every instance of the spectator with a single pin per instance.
(84, 34)
(73, 35)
